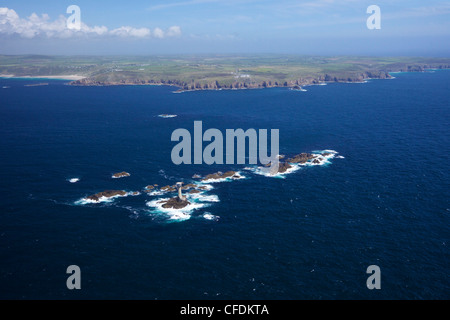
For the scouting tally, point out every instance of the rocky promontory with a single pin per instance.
(215, 72)
(295, 81)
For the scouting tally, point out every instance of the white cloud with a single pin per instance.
(174, 31)
(158, 33)
(130, 31)
(38, 26)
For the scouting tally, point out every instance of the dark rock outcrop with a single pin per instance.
(168, 188)
(220, 175)
(301, 158)
(106, 194)
(121, 174)
(188, 186)
(175, 203)
(283, 167)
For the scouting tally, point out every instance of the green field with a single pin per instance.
(212, 71)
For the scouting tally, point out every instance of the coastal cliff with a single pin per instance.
(215, 72)
(248, 83)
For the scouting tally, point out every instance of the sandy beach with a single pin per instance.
(60, 77)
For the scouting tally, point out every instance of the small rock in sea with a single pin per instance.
(168, 189)
(219, 175)
(107, 194)
(120, 175)
(175, 203)
(301, 158)
(188, 186)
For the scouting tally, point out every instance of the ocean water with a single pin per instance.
(382, 198)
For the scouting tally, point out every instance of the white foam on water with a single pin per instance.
(216, 180)
(179, 215)
(237, 176)
(197, 201)
(321, 162)
(174, 214)
(323, 159)
(318, 156)
(120, 176)
(295, 167)
(334, 152)
(84, 201)
(263, 171)
(165, 116)
(74, 180)
(205, 186)
(156, 193)
(210, 216)
(203, 197)
(353, 82)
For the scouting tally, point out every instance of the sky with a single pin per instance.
(316, 27)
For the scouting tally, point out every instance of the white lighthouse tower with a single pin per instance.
(180, 195)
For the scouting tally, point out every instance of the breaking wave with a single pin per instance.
(198, 194)
(196, 201)
(166, 116)
(210, 216)
(262, 171)
(86, 200)
(237, 176)
(321, 158)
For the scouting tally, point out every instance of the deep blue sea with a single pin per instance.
(311, 234)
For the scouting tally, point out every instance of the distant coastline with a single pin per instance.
(296, 85)
(59, 77)
(214, 72)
